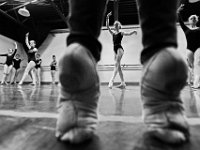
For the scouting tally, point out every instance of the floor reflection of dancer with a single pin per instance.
(191, 103)
(53, 68)
(16, 67)
(118, 50)
(38, 68)
(8, 64)
(31, 60)
(119, 101)
(196, 105)
(192, 34)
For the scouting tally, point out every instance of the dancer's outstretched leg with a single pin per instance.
(29, 67)
(5, 74)
(117, 68)
(115, 71)
(122, 85)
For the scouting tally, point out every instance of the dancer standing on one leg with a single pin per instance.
(192, 34)
(118, 49)
(9, 63)
(164, 72)
(53, 69)
(16, 67)
(31, 60)
(38, 68)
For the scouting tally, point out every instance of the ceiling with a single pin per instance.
(47, 15)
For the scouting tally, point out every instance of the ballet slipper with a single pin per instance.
(33, 84)
(169, 126)
(121, 86)
(20, 83)
(79, 94)
(110, 85)
(4, 83)
(163, 78)
(77, 135)
(168, 135)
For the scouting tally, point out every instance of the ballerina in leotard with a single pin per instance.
(38, 68)
(118, 49)
(53, 68)
(16, 67)
(192, 34)
(31, 60)
(8, 64)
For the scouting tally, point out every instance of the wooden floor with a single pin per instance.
(28, 117)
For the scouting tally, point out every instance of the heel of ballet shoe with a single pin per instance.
(77, 135)
(121, 86)
(76, 122)
(170, 126)
(77, 69)
(168, 136)
(110, 85)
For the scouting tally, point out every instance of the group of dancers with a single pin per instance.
(192, 34)
(34, 62)
(33, 68)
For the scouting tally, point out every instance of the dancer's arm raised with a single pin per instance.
(107, 23)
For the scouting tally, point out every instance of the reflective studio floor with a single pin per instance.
(28, 116)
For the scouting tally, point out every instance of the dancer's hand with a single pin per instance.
(180, 8)
(27, 34)
(109, 14)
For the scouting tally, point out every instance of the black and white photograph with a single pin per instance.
(99, 74)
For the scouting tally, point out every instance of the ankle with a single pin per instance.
(111, 81)
(123, 83)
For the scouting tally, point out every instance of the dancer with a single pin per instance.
(164, 72)
(53, 69)
(16, 67)
(118, 49)
(38, 68)
(31, 60)
(9, 63)
(192, 34)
